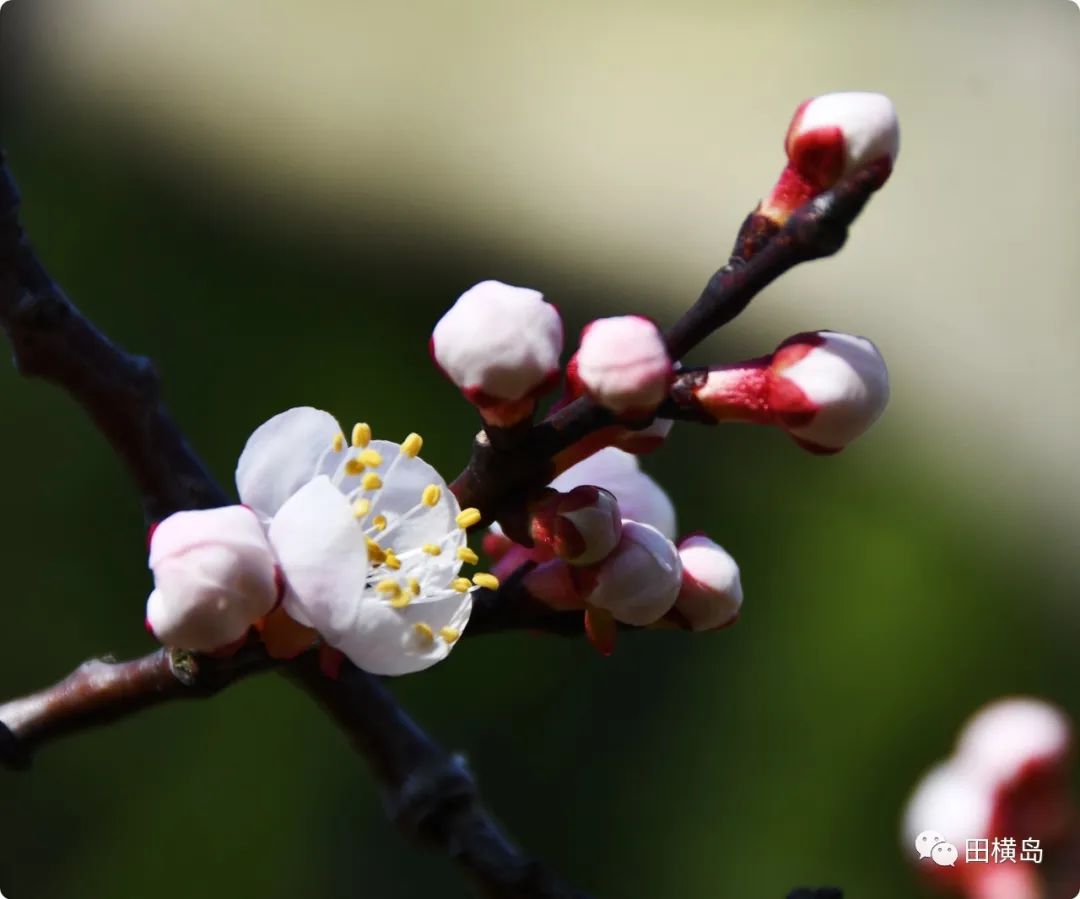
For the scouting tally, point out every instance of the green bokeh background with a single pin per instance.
(883, 605)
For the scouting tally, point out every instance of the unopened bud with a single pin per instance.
(214, 576)
(500, 345)
(824, 388)
(623, 364)
(639, 581)
(832, 136)
(639, 497)
(582, 526)
(711, 593)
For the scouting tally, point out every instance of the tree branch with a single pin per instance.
(53, 341)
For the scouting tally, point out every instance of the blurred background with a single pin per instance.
(276, 201)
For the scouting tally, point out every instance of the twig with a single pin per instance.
(53, 341)
(102, 691)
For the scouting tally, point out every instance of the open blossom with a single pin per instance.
(369, 538)
(824, 388)
(830, 137)
(639, 497)
(214, 576)
(711, 593)
(623, 364)
(500, 345)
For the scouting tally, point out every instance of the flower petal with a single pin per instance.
(386, 641)
(323, 555)
(282, 455)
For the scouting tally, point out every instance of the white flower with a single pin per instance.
(950, 801)
(640, 498)
(500, 345)
(369, 538)
(828, 388)
(623, 364)
(1012, 735)
(833, 135)
(639, 581)
(214, 576)
(711, 594)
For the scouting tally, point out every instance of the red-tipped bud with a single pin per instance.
(582, 526)
(639, 581)
(711, 593)
(214, 576)
(500, 345)
(824, 388)
(623, 364)
(639, 496)
(829, 137)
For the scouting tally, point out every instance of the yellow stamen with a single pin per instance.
(449, 634)
(354, 467)
(371, 481)
(375, 553)
(379, 522)
(488, 581)
(468, 556)
(411, 445)
(371, 458)
(392, 561)
(461, 584)
(400, 600)
(414, 586)
(338, 443)
(468, 517)
(388, 586)
(432, 550)
(431, 495)
(361, 507)
(424, 632)
(361, 434)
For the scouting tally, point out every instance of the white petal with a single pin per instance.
(282, 455)
(323, 554)
(384, 640)
(402, 489)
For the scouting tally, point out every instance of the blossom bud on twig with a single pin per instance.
(214, 576)
(500, 345)
(623, 364)
(582, 526)
(639, 497)
(711, 593)
(639, 581)
(823, 387)
(830, 137)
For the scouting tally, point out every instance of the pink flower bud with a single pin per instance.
(824, 388)
(829, 137)
(711, 593)
(500, 345)
(639, 581)
(581, 527)
(640, 498)
(214, 576)
(623, 364)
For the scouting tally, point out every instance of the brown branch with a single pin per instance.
(102, 691)
(53, 341)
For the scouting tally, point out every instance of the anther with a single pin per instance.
(371, 458)
(431, 495)
(424, 632)
(361, 507)
(361, 434)
(467, 556)
(487, 581)
(371, 481)
(338, 443)
(449, 634)
(468, 517)
(461, 584)
(411, 445)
